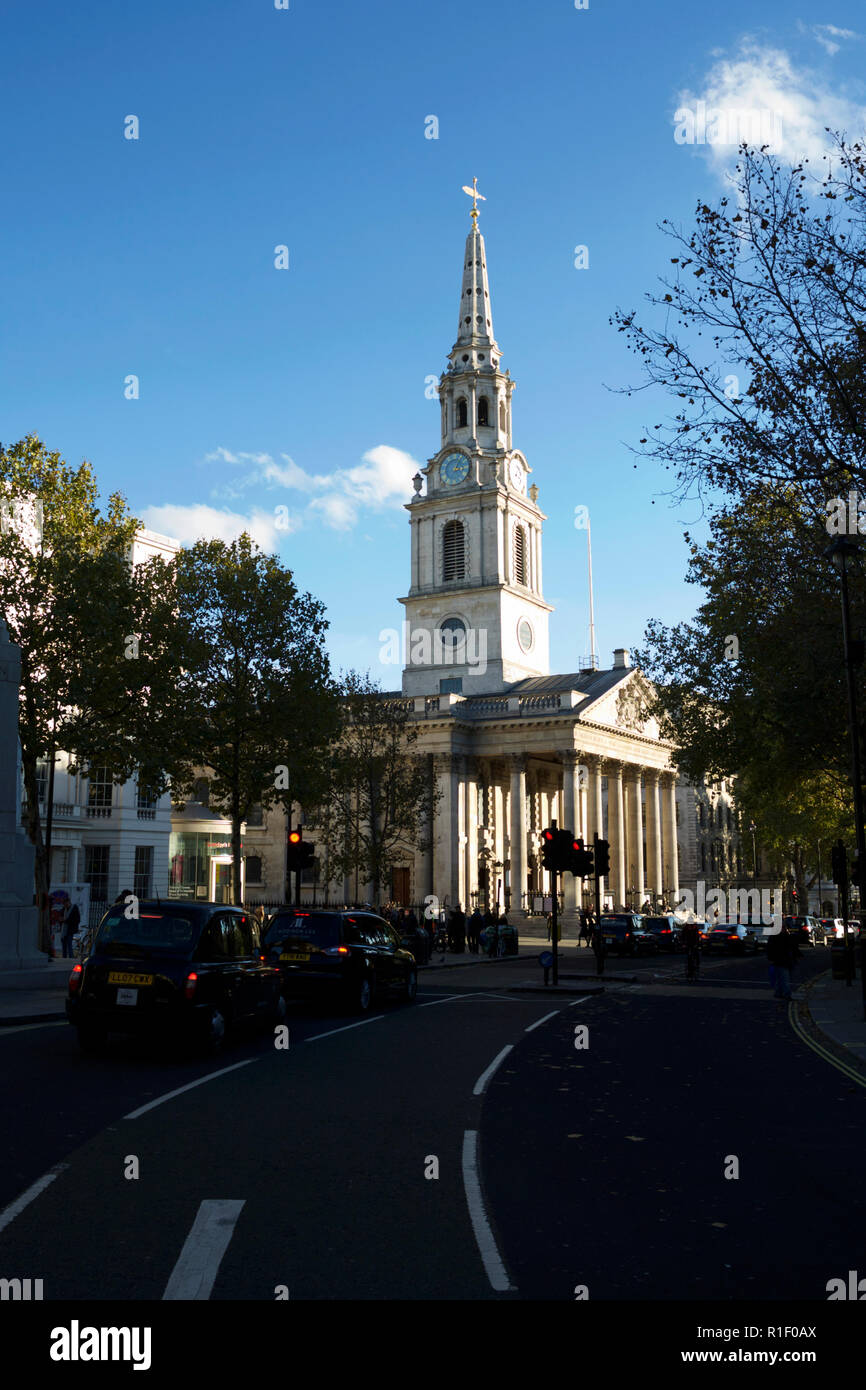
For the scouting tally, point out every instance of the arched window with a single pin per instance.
(482, 410)
(502, 416)
(519, 555)
(703, 857)
(453, 639)
(453, 553)
(462, 413)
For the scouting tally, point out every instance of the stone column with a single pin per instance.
(499, 799)
(636, 836)
(653, 834)
(570, 814)
(616, 834)
(471, 831)
(446, 873)
(670, 856)
(517, 827)
(595, 809)
(424, 857)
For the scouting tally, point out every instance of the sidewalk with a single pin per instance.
(836, 1010)
(34, 996)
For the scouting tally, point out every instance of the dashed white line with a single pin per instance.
(486, 1075)
(26, 1027)
(331, 1031)
(538, 1022)
(198, 1264)
(490, 1257)
(445, 1001)
(579, 1001)
(15, 1208)
(170, 1095)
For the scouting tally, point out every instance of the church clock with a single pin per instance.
(453, 470)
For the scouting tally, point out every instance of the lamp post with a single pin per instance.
(839, 552)
(752, 829)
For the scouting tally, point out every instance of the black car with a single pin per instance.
(348, 956)
(175, 971)
(666, 930)
(805, 930)
(623, 933)
(734, 937)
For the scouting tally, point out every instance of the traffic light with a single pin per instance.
(602, 858)
(558, 848)
(548, 842)
(300, 854)
(839, 859)
(580, 859)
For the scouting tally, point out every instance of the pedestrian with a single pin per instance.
(70, 926)
(457, 930)
(782, 955)
(474, 927)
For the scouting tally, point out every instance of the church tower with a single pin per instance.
(476, 619)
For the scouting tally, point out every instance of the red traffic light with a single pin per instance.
(548, 835)
(294, 837)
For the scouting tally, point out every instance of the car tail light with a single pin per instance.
(75, 978)
(189, 987)
(337, 951)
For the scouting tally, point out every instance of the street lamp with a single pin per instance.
(752, 829)
(839, 552)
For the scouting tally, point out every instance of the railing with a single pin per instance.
(144, 814)
(98, 811)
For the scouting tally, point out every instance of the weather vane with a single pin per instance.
(474, 195)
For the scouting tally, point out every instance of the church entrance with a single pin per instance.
(400, 887)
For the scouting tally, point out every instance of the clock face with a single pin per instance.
(453, 470)
(517, 475)
(525, 635)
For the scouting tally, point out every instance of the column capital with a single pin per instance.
(669, 777)
(516, 762)
(612, 767)
(594, 761)
(652, 776)
(569, 757)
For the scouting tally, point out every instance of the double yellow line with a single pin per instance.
(844, 1067)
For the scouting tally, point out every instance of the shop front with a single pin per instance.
(200, 864)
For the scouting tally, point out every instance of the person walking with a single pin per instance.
(457, 930)
(474, 927)
(70, 926)
(782, 955)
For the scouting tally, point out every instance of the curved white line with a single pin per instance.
(486, 1075)
(8, 1214)
(490, 1257)
(170, 1095)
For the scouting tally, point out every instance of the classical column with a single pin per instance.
(570, 813)
(424, 857)
(471, 830)
(636, 836)
(595, 811)
(499, 799)
(446, 868)
(616, 835)
(653, 835)
(517, 828)
(669, 836)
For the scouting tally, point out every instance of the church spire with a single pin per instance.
(475, 318)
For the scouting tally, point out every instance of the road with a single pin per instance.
(302, 1171)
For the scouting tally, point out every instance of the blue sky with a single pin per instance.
(305, 388)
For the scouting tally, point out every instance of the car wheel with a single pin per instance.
(91, 1038)
(411, 986)
(364, 994)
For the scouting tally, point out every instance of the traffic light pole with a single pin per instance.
(554, 930)
(599, 940)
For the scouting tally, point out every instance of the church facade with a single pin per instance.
(512, 746)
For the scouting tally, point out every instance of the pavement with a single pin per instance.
(834, 1009)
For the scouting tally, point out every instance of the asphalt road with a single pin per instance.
(303, 1170)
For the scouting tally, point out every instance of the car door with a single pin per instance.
(381, 952)
(252, 979)
(233, 979)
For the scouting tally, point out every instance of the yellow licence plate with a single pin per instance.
(121, 977)
(295, 955)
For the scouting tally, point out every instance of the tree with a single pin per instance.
(379, 798)
(72, 604)
(753, 687)
(260, 705)
(763, 339)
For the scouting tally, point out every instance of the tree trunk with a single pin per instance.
(33, 825)
(236, 855)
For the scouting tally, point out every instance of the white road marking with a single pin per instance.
(331, 1031)
(486, 1075)
(490, 1257)
(8, 1214)
(538, 1022)
(170, 1095)
(579, 1001)
(446, 1000)
(26, 1027)
(198, 1265)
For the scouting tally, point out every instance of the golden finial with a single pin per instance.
(474, 195)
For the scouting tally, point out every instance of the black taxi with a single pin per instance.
(175, 971)
(349, 956)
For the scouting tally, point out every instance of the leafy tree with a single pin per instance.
(378, 798)
(762, 339)
(72, 604)
(259, 703)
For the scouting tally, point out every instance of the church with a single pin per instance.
(512, 745)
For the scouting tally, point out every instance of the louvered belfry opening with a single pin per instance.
(519, 555)
(453, 556)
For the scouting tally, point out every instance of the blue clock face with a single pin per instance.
(454, 469)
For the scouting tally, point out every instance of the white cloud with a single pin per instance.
(827, 34)
(381, 481)
(791, 105)
(191, 523)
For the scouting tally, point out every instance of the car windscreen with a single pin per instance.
(154, 930)
(616, 924)
(321, 930)
(656, 924)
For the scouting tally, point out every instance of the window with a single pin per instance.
(201, 791)
(146, 799)
(96, 871)
(41, 780)
(462, 413)
(254, 868)
(519, 555)
(453, 638)
(451, 685)
(453, 552)
(483, 407)
(99, 791)
(703, 856)
(143, 868)
(255, 817)
(502, 416)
